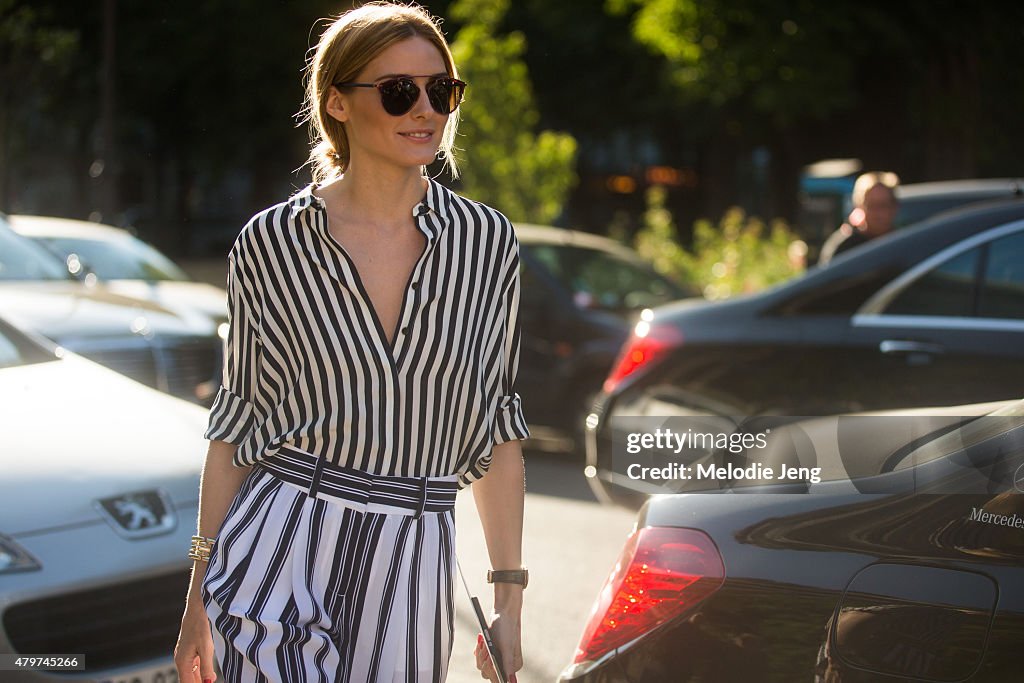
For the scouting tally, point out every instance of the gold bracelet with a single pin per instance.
(201, 548)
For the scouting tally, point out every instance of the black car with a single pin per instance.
(930, 316)
(911, 570)
(580, 297)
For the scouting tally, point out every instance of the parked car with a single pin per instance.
(932, 315)
(98, 501)
(580, 297)
(177, 350)
(126, 264)
(914, 570)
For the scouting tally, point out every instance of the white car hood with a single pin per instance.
(73, 432)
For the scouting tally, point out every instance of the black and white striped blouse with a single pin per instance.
(308, 364)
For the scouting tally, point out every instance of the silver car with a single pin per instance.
(123, 262)
(165, 344)
(98, 501)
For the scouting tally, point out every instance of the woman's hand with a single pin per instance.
(193, 655)
(506, 635)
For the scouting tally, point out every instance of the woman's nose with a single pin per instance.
(422, 107)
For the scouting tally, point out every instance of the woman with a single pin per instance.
(371, 357)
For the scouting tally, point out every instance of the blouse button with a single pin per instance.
(405, 330)
(415, 285)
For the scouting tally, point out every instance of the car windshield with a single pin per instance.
(117, 259)
(604, 280)
(17, 349)
(21, 259)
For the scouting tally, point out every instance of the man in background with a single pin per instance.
(875, 206)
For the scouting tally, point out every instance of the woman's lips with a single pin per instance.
(418, 135)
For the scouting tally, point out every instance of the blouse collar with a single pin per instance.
(437, 202)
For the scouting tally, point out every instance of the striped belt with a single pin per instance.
(374, 492)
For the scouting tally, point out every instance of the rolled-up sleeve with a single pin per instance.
(509, 421)
(232, 415)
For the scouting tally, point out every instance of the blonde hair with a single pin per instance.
(866, 181)
(350, 42)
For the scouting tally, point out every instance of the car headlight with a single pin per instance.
(14, 558)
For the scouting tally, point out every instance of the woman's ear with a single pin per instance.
(337, 104)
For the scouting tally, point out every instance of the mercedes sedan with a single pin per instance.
(850, 549)
(930, 316)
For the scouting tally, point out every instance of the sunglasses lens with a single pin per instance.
(445, 94)
(398, 95)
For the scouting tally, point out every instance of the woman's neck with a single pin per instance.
(375, 198)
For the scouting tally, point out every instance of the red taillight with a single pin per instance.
(662, 572)
(645, 344)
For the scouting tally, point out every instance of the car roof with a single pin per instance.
(977, 186)
(51, 226)
(892, 254)
(529, 233)
(942, 229)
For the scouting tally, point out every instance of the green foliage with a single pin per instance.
(781, 59)
(504, 162)
(774, 66)
(739, 255)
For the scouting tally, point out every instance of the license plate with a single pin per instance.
(161, 673)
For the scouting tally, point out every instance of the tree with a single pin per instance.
(504, 162)
(34, 57)
(912, 76)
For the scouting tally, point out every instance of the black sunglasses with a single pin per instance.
(398, 95)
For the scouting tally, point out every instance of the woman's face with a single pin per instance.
(375, 136)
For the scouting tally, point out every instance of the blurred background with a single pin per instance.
(179, 119)
(694, 149)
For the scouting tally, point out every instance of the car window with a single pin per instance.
(946, 290)
(840, 297)
(117, 259)
(21, 259)
(598, 279)
(532, 292)
(1002, 288)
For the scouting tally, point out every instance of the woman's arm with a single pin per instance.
(220, 483)
(218, 487)
(499, 497)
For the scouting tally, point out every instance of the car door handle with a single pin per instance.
(899, 346)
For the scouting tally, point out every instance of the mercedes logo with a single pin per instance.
(1018, 479)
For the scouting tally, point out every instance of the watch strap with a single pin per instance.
(517, 576)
